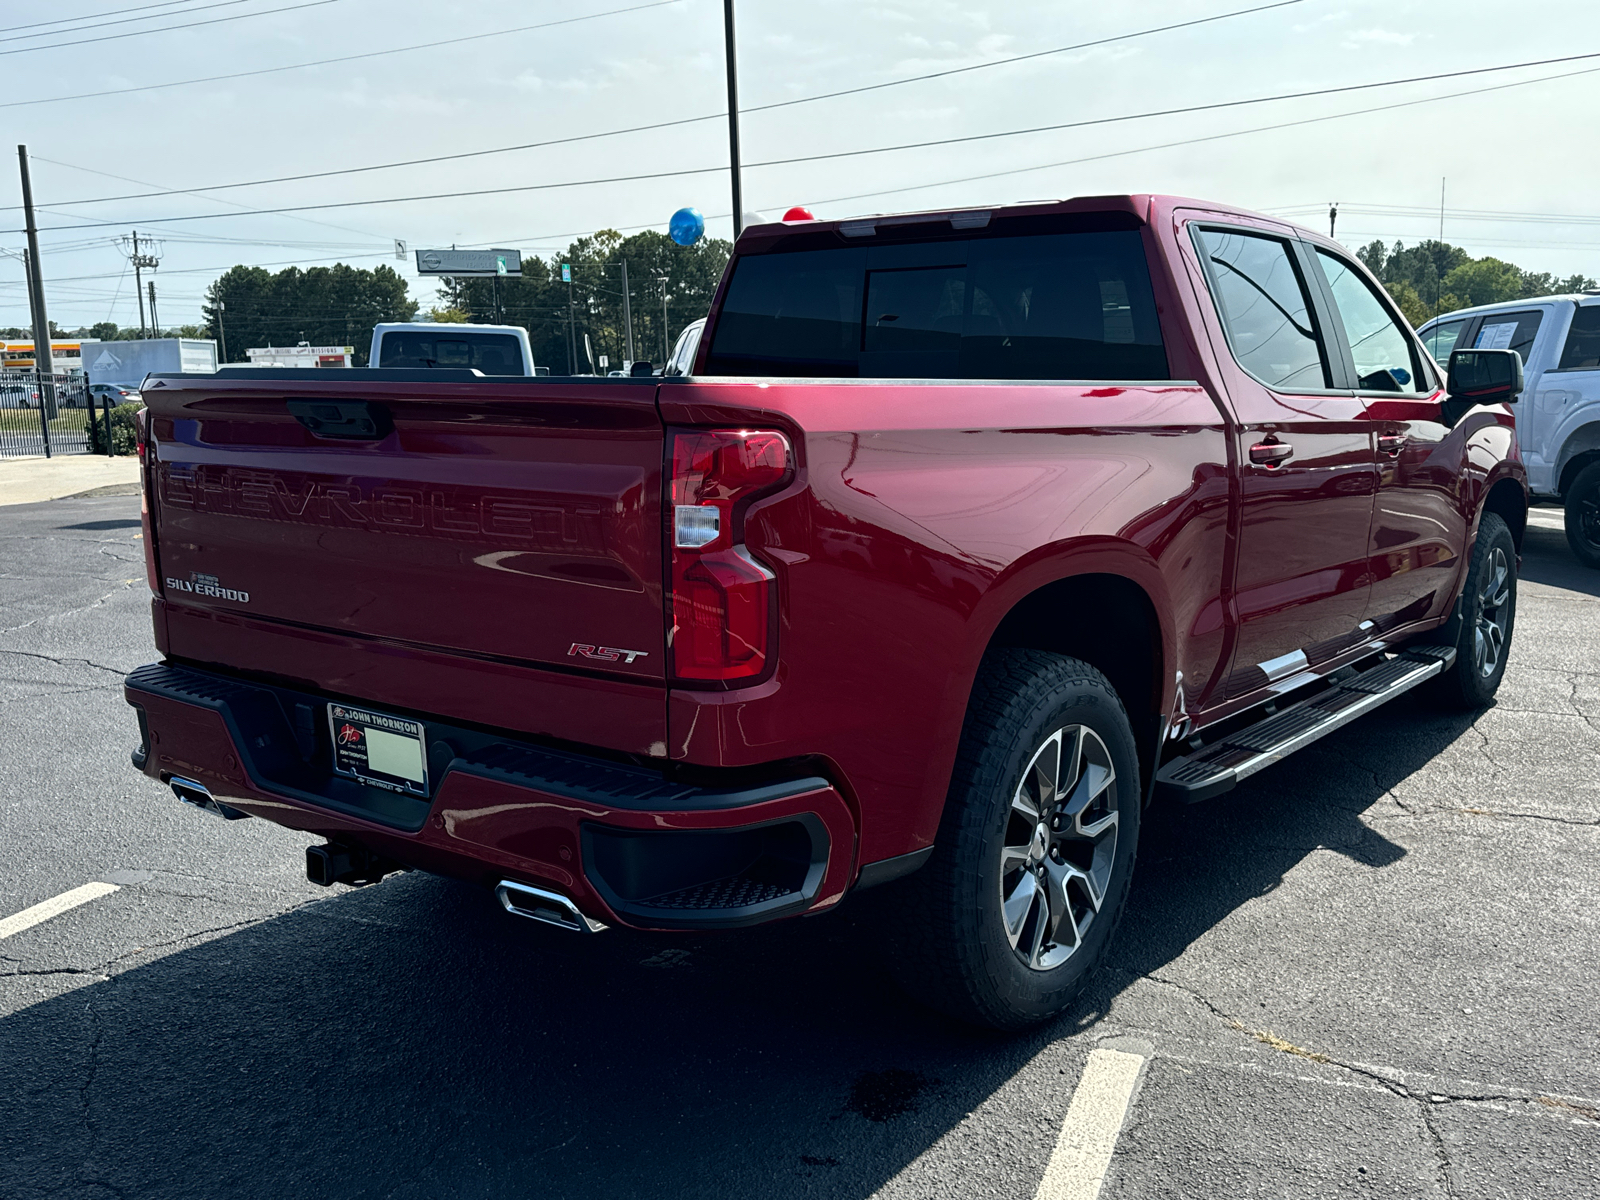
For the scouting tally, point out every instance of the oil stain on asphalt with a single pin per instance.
(885, 1095)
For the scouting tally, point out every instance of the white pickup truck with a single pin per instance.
(1558, 419)
(491, 349)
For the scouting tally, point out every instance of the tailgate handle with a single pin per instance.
(356, 420)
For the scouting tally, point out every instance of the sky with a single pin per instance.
(1516, 163)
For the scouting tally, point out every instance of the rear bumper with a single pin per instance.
(627, 844)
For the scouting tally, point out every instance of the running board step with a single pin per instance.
(1215, 769)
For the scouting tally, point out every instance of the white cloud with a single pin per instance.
(1377, 37)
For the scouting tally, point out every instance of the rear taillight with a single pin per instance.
(722, 599)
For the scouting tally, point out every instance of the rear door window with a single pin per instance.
(1379, 344)
(1582, 351)
(1265, 308)
(1442, 339)
(491, 353)
(1509, 331)
(1069, 306)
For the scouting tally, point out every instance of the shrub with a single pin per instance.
(124, 433)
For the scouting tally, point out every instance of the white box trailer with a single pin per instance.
(127, 363)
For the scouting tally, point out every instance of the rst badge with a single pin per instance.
(608, 654)
(201, 584)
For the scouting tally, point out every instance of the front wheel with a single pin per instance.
(1583, 516)
(1035, 852)
(1488, 615)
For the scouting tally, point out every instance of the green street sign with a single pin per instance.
(566, 272)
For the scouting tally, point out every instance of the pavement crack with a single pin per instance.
(64, 662)
(52, 971)
(1384, 790)
(1484, 748)
(1446, 1172)
(68, 612)
(1525, 816)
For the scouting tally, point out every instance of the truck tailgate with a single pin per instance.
(516, 521)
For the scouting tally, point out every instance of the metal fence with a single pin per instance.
(49, 415)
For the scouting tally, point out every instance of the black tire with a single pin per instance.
(1487, 618)
(950, 944)
(1583, 516)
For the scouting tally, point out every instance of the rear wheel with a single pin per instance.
(1488, 615)
(1583, 516)
(1035, 851)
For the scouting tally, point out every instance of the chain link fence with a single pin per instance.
(44, 414)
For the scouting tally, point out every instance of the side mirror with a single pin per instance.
(1484, 376)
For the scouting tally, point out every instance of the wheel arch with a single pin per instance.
(1109, 616)
(1581, 448)
(1508, 499)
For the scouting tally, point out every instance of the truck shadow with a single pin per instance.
(410, 1040)
(1547, 559)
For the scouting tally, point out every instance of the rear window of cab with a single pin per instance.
(1068, 306)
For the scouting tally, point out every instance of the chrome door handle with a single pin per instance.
(1391, 443)
(1270, 454)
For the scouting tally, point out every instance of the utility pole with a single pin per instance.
(1333, 216)
(222, 337)
(666, 344)
(141, 263)
(41, 319)
(155, 323)
(572, 324)
(627, 313)
(733, 117)
(1438, 275)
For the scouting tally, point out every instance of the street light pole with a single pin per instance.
(733, 117)
(627, 313)
(666, 334)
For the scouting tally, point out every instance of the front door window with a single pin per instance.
(1381, 348)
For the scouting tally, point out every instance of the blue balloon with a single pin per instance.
(687, 226)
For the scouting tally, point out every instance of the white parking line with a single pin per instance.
(54, 907)
(1088, 1138)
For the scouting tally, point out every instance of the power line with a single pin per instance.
(324, 62)
(112, 37)
(1192, 141)
(22, 37)
(657, 125)
(535, 187)
(93, 16)
(212, 199)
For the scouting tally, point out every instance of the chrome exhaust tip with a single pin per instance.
(523, 900)
(197, 795)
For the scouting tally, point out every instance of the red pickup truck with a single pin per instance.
(969, 533)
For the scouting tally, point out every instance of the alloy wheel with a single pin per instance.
(1589, 518)
(1059, 848)
(1494, 613)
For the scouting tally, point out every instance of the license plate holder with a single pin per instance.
(376, 748)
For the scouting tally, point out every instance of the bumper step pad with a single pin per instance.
(1216, 768)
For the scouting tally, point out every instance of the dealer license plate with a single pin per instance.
(379, 749)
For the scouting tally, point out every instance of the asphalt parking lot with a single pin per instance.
(1371, 971)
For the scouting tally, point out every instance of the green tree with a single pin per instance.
(538, 300)
(1411, 305)
(1484, 281)
(249, 307)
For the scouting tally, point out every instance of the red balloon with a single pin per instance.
(799, 214)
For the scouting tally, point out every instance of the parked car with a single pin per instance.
(964, 535)
(1558, 422)
(116, 393)
(20, 395)
(684, 349)
(491, 349)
